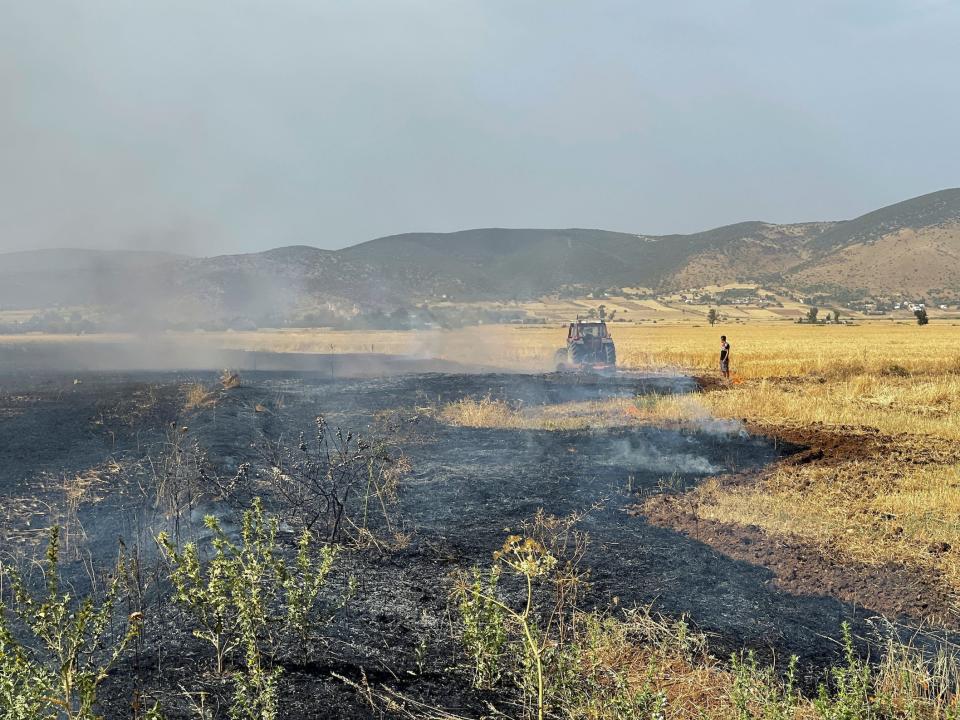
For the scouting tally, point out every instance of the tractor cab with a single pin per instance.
(580, 329)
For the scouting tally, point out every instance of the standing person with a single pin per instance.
(724, 357)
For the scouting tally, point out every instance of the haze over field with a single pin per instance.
(231, 127)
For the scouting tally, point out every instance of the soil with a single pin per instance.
(892, 590)
(467, 490)
(910, 593)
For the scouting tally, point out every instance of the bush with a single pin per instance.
(249, 601)
(335, 484)
(70, 647)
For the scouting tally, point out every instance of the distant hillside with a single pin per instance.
(935, 209)
(498, 262)
(910, 247)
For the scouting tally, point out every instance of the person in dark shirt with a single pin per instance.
(724, 356)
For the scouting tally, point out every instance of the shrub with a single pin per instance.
(848, 694)
(757, 692)
(247, 598)
(484, 633)
(69, 649)
(336, 484)
(553, 655)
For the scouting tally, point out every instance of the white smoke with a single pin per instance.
(647, 457)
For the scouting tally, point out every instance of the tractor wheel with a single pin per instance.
(560, 359)
(610, 354)
(578, 354)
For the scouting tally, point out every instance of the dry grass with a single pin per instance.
(897, 501)
(926, 406)
(866, 510)
(488, 412)
(196, 395)
(760, 350)
(789, 350)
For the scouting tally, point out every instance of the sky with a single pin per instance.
(222, 126)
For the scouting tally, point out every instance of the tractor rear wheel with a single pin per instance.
(610, 354)
(578, 354)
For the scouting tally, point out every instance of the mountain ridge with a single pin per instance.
(907, 247)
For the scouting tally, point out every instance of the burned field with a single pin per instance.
(117, 459)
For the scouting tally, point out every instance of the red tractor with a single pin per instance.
(589, 347)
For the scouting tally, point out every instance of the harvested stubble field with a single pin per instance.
(820, 486)
(762, 350)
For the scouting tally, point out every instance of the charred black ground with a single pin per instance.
(467, 490)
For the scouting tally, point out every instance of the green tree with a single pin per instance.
(712, 316)
(812, 314)
(921, 315)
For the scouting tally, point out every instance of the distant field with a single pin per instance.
(682, 308)
(759, 349)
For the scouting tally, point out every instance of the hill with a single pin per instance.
(911, 247)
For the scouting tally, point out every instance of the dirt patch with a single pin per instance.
(710, 383)
(835, 444)
(804, 569)
(815, 443)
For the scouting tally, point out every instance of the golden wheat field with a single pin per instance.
(759, 350)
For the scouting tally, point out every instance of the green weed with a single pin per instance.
(70, 646)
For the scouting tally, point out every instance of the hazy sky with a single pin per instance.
(212, 126)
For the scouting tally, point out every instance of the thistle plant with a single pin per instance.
(248, 600)
(484, 635)
(483, 611)
(302, 586)
(26, 686)
(206, 593)
(70, 648)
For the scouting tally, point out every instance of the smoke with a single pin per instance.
(642, 455)
(172, 353)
